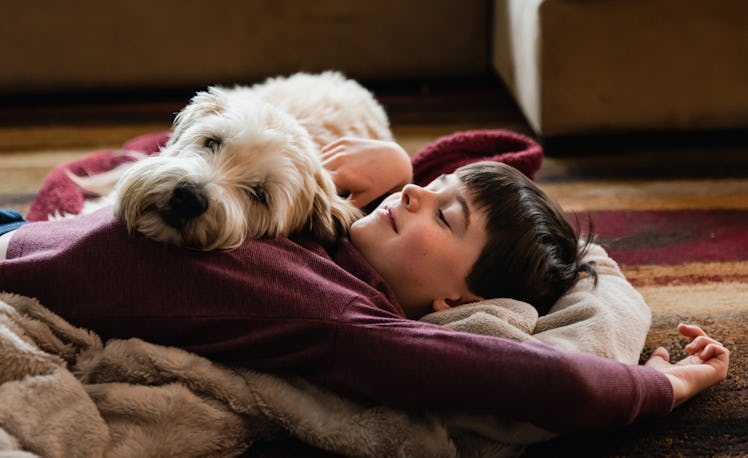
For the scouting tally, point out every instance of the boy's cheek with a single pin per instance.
(420, 246)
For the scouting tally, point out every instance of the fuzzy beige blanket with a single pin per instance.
(63, 392)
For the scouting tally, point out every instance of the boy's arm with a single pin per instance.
(367, 169)
(419, 366)
(414, 365)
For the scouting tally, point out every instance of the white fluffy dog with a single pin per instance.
(244, 162)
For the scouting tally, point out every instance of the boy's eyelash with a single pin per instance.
(443, 218)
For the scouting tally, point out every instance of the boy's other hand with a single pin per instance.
(367, 169)
(705, 366)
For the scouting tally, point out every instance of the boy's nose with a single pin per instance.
(413, 196)
(408, 196)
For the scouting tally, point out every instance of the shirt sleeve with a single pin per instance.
(415, 365)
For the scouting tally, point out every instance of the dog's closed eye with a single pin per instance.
(212, 144)
(258, 193)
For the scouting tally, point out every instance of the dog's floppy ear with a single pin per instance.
(332, 215)
(202, 104)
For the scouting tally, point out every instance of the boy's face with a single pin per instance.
(424, 242)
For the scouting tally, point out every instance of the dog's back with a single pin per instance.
(328, 105)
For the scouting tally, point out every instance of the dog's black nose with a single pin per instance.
(188, 201)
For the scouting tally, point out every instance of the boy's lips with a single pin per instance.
(391, 217)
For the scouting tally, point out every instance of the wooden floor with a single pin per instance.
(667, 171)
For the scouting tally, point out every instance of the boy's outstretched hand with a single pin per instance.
(705, 366)
(367, 169)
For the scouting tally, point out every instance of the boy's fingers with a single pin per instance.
(330, 152)
(333, 144)
(662, 353)
(690, 330)
(708, 352)
(660, 359)
(699, 343)
(327, 148)
(713, 350)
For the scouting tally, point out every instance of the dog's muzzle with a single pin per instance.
(187, 202)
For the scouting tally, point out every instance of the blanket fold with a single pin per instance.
(63, 392)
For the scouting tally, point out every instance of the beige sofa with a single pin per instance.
(583, 66)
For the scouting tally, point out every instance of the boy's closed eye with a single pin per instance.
(443, 219)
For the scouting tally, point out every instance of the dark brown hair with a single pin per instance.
(533, 254)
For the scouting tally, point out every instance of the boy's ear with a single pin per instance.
(441, 304)
(447, 303)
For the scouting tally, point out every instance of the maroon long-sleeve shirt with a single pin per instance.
(294, 306)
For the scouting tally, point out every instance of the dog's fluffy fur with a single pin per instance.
(244, 162)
